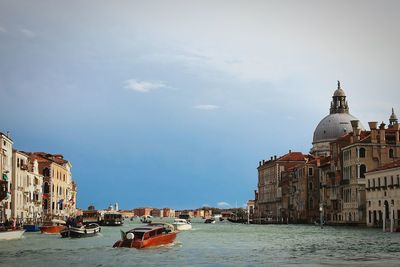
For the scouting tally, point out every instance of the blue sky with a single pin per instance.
(173, 103)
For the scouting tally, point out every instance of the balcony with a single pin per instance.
(24, 167)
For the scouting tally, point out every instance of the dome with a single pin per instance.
(339, 92)
(334, 126)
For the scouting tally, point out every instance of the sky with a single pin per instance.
(174, 103)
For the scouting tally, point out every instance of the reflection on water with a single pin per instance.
(220, 244)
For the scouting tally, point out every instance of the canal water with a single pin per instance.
(220, 244)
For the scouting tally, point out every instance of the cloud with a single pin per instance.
(2, 29)
(223, 204)
(143, 86)
(28, 33)
(206, 107)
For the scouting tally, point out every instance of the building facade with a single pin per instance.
(383, 196)
(6, 146)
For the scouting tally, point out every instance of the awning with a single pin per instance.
(5, 177)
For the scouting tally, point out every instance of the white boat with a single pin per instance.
(181, 224)
(146, 219)
(90, 229)
(11, 234)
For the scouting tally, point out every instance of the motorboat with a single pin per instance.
(146, 219)
(53, 227)
(209, 220)
(10, 234)
(151, 235)
(181, 224)
(80, 230)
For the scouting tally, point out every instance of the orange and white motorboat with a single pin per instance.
(53, 227)
(151, 235)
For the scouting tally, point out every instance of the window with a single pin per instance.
(361, 152)
(363, 170)
(391, 154)
(373, 183)
(379, 182)
(369, 183)
(391, 180)
(384, 181)
(310, 186)
(46, 172)
(310, 171)
(46, 188)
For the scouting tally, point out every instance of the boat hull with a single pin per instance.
(51, 229)
(151, 242)
(31, 228)
(78, 232)
(11, 234)
(182, 227)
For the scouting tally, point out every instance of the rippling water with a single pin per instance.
(220, 244)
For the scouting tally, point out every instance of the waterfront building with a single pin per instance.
(59, 190)
(268, 203)
(169, 213)
(6, 146)
(383, 196)
(157, 213)
(26, 189)
(143, 211)
(352, 155)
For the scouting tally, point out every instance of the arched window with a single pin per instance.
(46, 172)
(363, 170)
(361, 152)
(391, 154)
(46, 188)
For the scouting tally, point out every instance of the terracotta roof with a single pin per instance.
(292, 156)
(391, 165)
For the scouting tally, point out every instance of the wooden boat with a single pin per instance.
(10, 234)
(151, 235)
(90, 229)
(53, 227)
(181, 224)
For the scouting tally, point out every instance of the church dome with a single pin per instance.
(334, 126)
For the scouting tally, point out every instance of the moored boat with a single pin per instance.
(10, 234)
(181, 225)
(90, 229)
(53, 227)
(151, 235)
(31, 227)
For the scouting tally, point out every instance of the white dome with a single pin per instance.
(334, 126)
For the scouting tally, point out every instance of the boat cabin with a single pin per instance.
(144, 233)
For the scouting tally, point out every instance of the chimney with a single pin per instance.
(275, 157)
(271, 157)
(290, 151)
(382, 138)
(259, 164)
(356, 130)
(373, 125)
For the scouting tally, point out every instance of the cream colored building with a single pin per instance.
(19, 181)
(6, 145)
(383, 196)
(59, 190)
